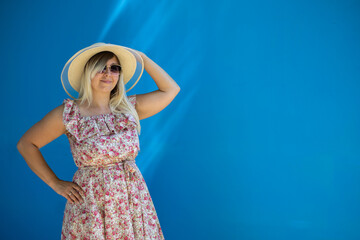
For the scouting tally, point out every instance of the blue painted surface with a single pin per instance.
(262, 142)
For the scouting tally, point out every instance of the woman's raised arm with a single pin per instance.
(149, 104)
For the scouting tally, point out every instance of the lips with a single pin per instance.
(106, 81)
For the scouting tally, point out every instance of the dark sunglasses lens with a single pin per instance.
(115, 68)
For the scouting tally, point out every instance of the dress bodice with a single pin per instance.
(100, 139)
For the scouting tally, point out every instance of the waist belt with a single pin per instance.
(128, 165)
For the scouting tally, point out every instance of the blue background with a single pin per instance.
(262, 142)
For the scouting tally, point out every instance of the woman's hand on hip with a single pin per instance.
(70, 190)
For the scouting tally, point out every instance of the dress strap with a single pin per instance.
(71, 118)
(132, 99)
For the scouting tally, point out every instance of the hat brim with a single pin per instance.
(132, 66)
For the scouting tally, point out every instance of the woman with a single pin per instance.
(108, 197)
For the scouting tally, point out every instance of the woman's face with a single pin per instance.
(105, 82)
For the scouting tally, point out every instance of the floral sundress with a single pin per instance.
(117, 203)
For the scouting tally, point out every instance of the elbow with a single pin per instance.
(177, 89)
(21, 144)
(173, 91)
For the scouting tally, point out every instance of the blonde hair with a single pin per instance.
(119, 102)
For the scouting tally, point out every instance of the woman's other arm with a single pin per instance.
(43, 132)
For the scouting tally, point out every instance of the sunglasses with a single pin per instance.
(114, 69)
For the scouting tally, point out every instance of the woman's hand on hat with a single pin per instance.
(70, 190)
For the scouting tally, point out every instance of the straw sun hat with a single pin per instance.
(132, 66)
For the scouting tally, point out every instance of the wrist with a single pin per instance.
(53, 183)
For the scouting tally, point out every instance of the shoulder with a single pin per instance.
(54, 119)
(47, 129)
(58, 111)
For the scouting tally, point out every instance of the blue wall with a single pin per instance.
(262, 142)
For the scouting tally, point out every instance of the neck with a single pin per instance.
(100, 101)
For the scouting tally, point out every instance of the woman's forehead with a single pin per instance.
(112, 60)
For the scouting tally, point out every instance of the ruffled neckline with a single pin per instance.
(77, 109)
(82, 127)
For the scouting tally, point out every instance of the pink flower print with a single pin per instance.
(86, 156)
